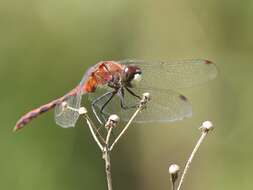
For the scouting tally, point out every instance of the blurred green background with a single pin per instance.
(46, 46)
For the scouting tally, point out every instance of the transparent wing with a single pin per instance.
(165, 106)
(66, 115)
(174, 74)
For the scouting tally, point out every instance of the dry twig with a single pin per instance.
(104, 145)
(205, 128)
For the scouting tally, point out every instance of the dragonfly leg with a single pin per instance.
(122, 100)
(131, 92)
(94, 102)
(105, 104)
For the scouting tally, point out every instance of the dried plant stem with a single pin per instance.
(94, 135)
(199, 142)
(173, 186)
(108, 136)
(106, 157)
(125, 128)
(104, 145)
(104, 149)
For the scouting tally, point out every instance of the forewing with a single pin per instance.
(174, 74)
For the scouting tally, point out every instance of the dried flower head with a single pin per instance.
(112, 121)
(173, 171)
(82, 110)
(206, 126)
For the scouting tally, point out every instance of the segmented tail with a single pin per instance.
(34, 113)
(42, 109)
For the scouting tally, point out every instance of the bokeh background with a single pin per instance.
(46, 46)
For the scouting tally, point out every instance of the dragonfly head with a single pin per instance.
(131, 75)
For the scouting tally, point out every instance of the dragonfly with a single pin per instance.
(117, 86)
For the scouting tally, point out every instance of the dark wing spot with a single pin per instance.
(182, 97)
(208, 62)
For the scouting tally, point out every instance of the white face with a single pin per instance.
(137, 78)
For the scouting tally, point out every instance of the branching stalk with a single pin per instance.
(104, 145)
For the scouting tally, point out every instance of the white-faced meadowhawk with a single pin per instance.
(117, 87)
